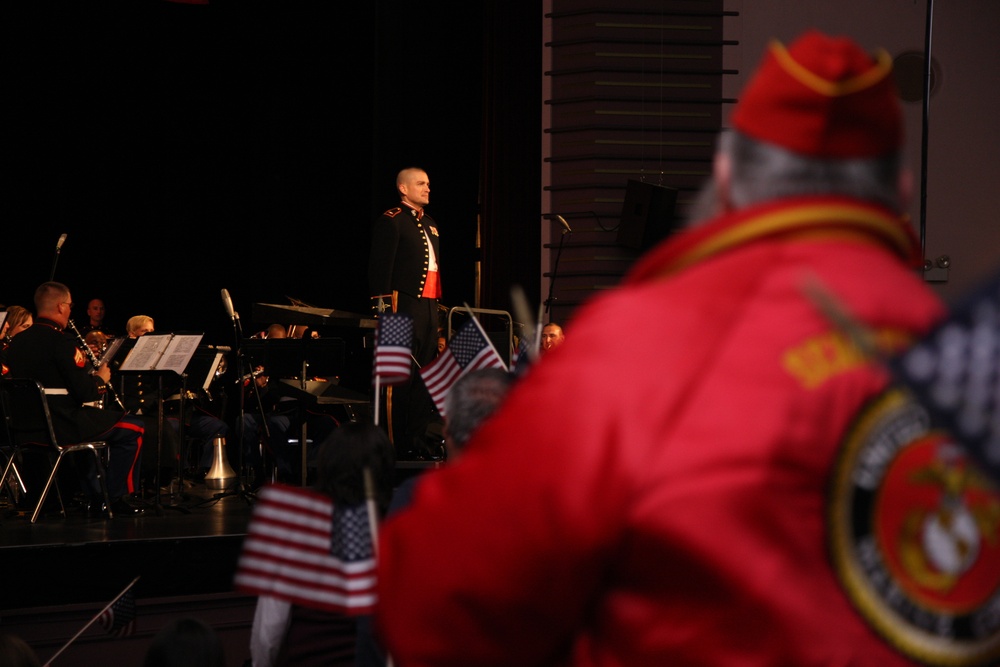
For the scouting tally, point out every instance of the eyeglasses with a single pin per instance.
(67, 303)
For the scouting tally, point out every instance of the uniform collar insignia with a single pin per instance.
(417, 213)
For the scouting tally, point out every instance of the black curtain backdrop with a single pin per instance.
(187, 148)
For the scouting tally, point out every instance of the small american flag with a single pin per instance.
(119, 619)
(392, 349)
(468, 350)
(352, 539)
(522, 358)
(301, 549)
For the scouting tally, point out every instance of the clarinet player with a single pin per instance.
(44, 353)
(95, 363)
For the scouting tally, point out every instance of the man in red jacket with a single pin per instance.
(740, 485)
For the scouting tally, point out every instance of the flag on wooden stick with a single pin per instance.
(468, 350)
(118, 620)
(302, 549)
(393, 343)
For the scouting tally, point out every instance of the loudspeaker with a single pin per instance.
(647, 214)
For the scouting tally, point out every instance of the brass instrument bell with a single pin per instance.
(221, 474)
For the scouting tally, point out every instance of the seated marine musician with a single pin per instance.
(95, 319)
(97, 341)
(44, 353)
(18, 319)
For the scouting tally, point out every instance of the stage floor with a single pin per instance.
(191, 510)
(185, 544)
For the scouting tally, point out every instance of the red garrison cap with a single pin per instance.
(823, 97)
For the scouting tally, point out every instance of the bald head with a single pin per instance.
(552, 336)
(414, 187)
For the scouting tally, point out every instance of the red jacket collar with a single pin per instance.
(782, 218)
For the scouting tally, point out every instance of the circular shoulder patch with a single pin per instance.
(914, 528)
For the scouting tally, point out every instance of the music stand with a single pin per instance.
(298, 357)
(245, 370)
(296, 360)
(159, 356)
(201, 371)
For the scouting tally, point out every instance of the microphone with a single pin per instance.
(55, 257)
(228, 303)
(565, 225)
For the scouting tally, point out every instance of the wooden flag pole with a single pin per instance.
(90, 622)
(373, 526)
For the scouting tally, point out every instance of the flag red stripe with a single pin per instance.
(392, 362)
(287, 554)
(438, 377)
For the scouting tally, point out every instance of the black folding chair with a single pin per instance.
(29, 421)
(11, 482)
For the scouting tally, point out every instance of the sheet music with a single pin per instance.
(146, 353)
(110, 353)
(211, 371)
(168, 352)
(179, 353)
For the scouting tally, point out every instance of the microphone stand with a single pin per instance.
(242, 489)
(555, 267)
(160, 421)
(55, 260)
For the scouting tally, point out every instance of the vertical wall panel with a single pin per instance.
(634, 92)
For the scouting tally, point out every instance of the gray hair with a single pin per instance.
(762, 172)
(472, 399)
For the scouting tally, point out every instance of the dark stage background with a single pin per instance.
(184, 149)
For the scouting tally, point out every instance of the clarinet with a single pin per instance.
(95, 362)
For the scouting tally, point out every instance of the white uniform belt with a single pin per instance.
(56, 392)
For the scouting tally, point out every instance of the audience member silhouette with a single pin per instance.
(185, 642)
(15, 652)
(288, 634)
(469, 402)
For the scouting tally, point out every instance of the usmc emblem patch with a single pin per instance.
(914, 530)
